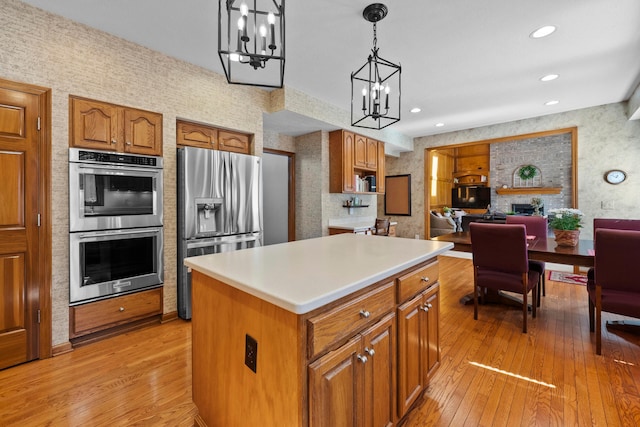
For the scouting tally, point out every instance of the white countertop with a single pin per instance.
(303, 275)
(355, 224)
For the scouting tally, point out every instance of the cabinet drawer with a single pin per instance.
(416, 281)
(96, 316)
(345, 319)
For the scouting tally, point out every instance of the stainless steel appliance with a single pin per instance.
(219, 208)
(113, 190)
(115, 224)
(110, 262)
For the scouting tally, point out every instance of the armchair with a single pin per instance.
(614, 288)
(441, 225)
(501, 262)
(614, 224)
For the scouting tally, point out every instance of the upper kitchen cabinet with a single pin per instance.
(196, 135)
(103, 126)
(204, 136)
(352, 155)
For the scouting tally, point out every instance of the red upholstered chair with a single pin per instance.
(501, 262)
(536, 226)
(614, 224)
(614, 288)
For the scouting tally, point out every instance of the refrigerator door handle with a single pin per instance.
(203, 243)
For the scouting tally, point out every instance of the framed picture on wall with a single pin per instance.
(397, 196)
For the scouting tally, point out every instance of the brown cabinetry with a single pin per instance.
(362, 373)
(418, 345)
(203, 136)
(350, 155)
(103, 126)
(100, 315)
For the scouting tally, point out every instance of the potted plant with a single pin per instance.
(566, 224)
(447, 211)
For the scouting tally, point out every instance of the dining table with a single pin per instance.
(547, 250)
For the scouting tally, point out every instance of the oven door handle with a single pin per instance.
(120, 232)
(117, 170)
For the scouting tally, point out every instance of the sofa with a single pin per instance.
(441, 225)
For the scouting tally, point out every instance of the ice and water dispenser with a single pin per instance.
(210, 217)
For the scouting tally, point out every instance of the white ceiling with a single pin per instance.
(464, 63)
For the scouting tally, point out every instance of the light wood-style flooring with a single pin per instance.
(491, 373)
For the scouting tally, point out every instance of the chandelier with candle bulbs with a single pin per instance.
(251, 41)
(375, 87)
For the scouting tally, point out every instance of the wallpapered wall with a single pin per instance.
(606, 140)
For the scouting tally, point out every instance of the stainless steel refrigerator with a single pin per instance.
(219, 208)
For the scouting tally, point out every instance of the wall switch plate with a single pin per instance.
(251, 353)
(608, 205)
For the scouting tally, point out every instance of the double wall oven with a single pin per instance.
(115, 224)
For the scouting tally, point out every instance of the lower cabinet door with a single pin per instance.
(432, 303)
(335, 387)
(411, 375)
(380, 376)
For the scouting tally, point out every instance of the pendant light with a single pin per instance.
(375, 87)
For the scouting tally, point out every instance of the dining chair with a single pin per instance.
(536, 226)
(501, 263)
(614, 287)
(612, 224)
(381, 227)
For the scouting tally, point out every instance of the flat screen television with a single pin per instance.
(471, 197)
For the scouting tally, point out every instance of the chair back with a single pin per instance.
(615, 224)
(381, 227)
(501, 247)
(535, 225)
(617, 251)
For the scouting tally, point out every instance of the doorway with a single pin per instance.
(278, 171)
(25, 223)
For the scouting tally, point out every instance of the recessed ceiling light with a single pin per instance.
(554, 102)
(415, 110)
(439, 125)
(542, 32)
(549, 77)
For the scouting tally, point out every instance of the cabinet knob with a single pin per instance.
(362, 358)
(113, 140)
(128, 142)
(369, 351)
(429, 305)
(365, 314)
(121, 308)
(424, 279)
(424, 308)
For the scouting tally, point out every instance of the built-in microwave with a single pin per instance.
(108, 263)
(109, 191)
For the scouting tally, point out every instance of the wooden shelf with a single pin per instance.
(529, 190)
(355, 206)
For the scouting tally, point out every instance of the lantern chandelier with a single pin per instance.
(375, 87)
(251, 41)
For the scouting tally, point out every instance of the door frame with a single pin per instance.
(44, 201)
(292, 189)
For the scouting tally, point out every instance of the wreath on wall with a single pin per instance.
(527, 172)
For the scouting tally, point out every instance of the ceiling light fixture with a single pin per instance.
(415, 110)
(375, 80)
(554, 102)
(439, 125)
(250, 39)
(542, 32)
(549, 77)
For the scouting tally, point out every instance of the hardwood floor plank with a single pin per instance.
(143, 378)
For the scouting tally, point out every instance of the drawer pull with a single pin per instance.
(369, 351)
(121, 308)
(424, 279)
(362, 358)
(365, 314)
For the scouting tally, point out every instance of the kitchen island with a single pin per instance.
(325, 331)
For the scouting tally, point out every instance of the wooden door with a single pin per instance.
(335, 387)
(142, 132)
(380, 379)
(372, 153)
(19, 195)
(410, 372)
(432, 342)
(360, 152)
(94, 125)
